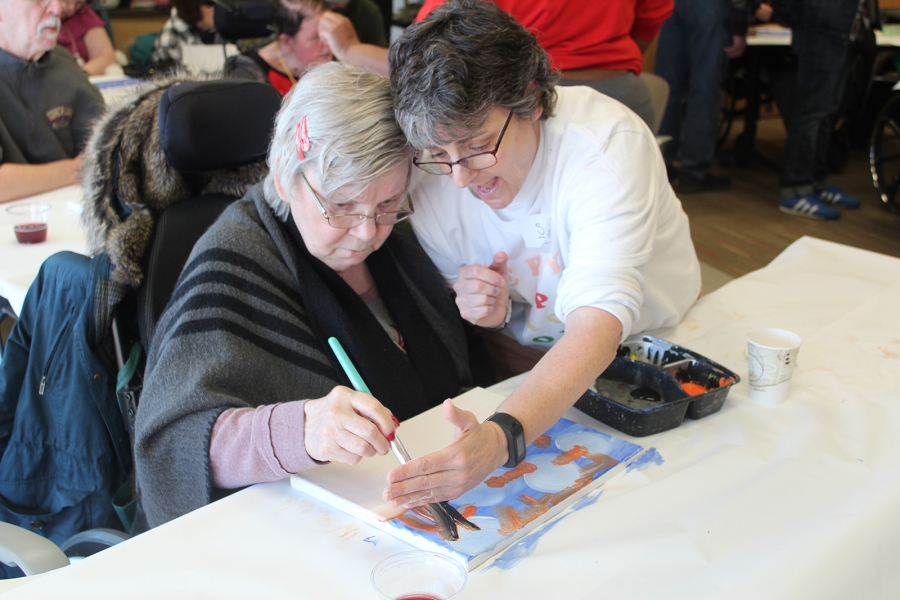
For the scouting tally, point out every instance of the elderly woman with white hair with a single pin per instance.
(241, 386)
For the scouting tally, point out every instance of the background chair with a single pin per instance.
(659, 90)
(207, 141)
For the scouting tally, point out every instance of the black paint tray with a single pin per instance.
(644, 389)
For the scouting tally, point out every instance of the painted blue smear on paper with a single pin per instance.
(521, 549)
(587, 501)
(371, 540)
(650, 457)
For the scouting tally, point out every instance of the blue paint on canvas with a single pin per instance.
(565, 460)
(650, 457)
(522, 549)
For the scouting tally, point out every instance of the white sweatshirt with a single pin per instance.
(595, 223)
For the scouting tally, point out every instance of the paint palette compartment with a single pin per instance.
(652, 385)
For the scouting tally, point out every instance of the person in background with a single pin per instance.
(598, 44)
(547, 209)
(83, 34)
(296, 47)
(47, 104)
(690, 56)
(318, 250)
(190, 22)
(822, 33)
(365, 16)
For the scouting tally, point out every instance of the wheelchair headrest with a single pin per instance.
(209, 125)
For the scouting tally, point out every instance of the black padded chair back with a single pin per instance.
(204, 126)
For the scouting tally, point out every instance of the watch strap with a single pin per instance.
(515, 437)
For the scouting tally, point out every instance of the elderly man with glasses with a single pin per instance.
(47, 104)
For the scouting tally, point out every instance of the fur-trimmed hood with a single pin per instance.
(127, 181)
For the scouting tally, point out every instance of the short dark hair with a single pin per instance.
(289, 14)
(189, 10)
(465, 58)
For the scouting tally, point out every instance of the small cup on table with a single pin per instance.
(771, 359)
(419, 575)
(29, 221)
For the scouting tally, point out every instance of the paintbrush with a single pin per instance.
(360, 386)
(445, 517)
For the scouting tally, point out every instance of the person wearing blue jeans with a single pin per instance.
(689, 56)
(822, 34)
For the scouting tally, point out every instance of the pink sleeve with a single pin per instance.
(91, 19)
(253, 445)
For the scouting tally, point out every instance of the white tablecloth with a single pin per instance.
(794, 501)
(19, 263)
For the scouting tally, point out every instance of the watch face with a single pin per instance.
(520, 445)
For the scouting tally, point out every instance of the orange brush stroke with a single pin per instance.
(511, 519)
(523, 468)
(542, 441)
(570, 455)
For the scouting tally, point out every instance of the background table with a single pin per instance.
(20, 262)
(794, 501)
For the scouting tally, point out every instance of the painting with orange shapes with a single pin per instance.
(567, 463)
(562, 465)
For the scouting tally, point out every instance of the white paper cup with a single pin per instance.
(419, 574)
(771, 358)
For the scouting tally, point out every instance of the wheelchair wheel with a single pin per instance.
(884, 153)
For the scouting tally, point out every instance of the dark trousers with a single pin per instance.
(690, 57)
(822, 70)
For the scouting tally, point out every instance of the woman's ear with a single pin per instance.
(276, 177)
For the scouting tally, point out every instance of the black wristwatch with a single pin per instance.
(515, 437)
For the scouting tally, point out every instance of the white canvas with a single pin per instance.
(565, 464)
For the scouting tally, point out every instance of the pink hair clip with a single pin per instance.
(302, 139)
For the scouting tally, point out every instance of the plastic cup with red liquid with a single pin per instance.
(29, 220)
(419, 575)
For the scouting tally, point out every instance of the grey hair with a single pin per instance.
(354, 137)
(466, 57)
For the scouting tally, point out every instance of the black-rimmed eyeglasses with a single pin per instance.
(475, 162)
(352, 220)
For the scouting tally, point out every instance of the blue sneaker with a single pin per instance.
(810, 206)
(835, 196)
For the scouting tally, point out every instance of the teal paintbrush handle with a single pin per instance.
(360, 386)
(355, 378)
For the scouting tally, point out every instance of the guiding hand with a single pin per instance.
(346, 426)
(338, 33)
(478, 449)
(482, 293)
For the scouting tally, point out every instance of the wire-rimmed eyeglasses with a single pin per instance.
(352, 220)
(475, 162)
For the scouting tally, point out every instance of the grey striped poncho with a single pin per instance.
(237, 334)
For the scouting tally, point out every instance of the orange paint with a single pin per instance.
(542, 441)
(570, 455)
(469, 511)
(411, 519)
(523, 468)
(693, 389)
(511, 520)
